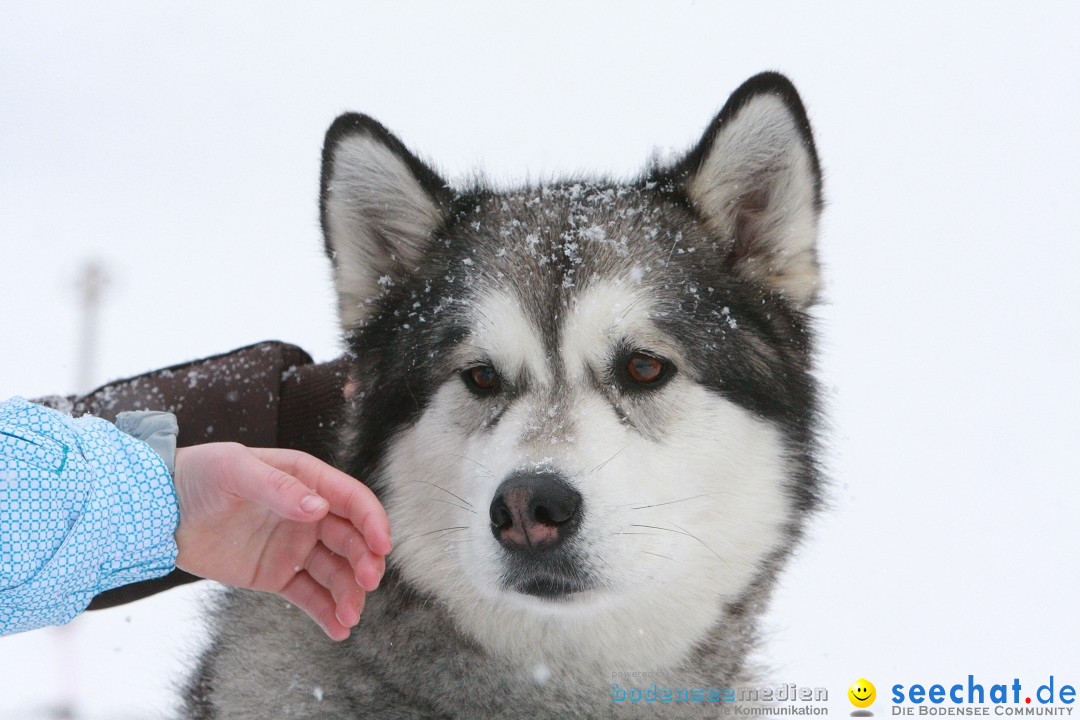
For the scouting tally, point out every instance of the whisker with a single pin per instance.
(454, 504)
(431, 532)
(678, 237)
(688, 534)
(631, 306)
(672, 502)
(646, 552)
(703, 543)
(475, 462)
(483, 315)
(601, 465)
(657, 527)
(445, 491)
(415, 401)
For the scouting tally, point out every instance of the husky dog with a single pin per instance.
(588, 409)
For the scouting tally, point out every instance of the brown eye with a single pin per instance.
(481, 379)
(645, 369)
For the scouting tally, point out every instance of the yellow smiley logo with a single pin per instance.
(862, 693)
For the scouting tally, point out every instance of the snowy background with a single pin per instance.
(178, 143)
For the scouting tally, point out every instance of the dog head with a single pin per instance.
(587, 406)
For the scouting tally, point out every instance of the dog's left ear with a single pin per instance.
(755, 180)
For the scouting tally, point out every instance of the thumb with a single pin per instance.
(282, 493)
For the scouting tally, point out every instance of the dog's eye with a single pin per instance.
(482, 379)
(646, 369)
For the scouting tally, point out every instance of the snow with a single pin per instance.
(180, 146)
(541, 674)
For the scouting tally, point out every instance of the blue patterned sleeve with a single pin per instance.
(84, 508)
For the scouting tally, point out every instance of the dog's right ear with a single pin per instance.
(379, 206)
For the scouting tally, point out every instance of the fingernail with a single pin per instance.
(366, 587)
(312, 503)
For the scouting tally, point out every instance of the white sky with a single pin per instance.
(179, 143)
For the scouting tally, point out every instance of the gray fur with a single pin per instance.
(406, 661)
(721, 248)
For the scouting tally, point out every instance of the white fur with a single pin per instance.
(379, 220)
(761, 150)
(715, 474)
(504, 336)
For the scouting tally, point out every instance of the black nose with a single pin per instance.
(534, 511)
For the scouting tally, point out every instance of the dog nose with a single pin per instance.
(534, 511)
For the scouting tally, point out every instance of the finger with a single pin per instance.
(347, 496)
(343, 539)
(368, 514)
(269, 486)
(315, 600)
(371, 571)
(332, 572)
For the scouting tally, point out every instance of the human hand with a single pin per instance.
(284, 522)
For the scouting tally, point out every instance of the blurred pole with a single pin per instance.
(90, 284)
(92, 281)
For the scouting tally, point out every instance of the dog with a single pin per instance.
(588, 408)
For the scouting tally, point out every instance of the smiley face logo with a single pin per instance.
(862, 693)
